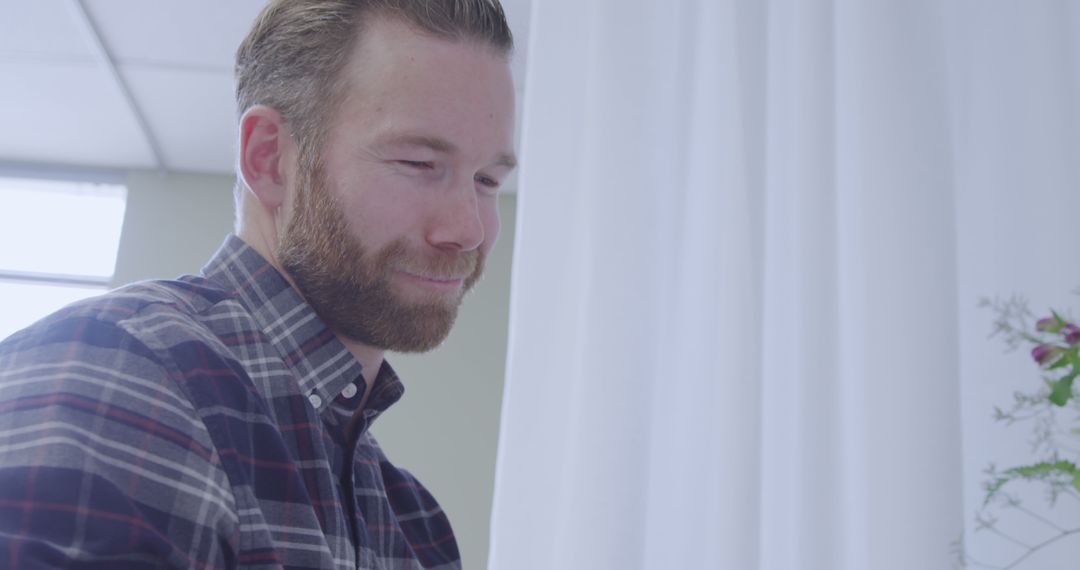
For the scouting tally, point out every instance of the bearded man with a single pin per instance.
(221, 420)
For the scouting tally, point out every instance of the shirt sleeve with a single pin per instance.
(104, 463)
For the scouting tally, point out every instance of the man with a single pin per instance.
(221, 420)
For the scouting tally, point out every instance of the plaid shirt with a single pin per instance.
(202, 423)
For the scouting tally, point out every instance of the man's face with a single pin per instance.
(391, 223)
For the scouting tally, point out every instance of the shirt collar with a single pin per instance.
(322, 365)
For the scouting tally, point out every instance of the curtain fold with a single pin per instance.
(740, 325)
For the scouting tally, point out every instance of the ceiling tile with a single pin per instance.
(42, 31)
(67, 114)
(191, 114)
(188, 33)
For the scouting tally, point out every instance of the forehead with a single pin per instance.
(403, 75)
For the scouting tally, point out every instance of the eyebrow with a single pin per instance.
(444, 146)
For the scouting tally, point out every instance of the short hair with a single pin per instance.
(292, 58)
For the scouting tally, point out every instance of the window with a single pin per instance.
(59, 244)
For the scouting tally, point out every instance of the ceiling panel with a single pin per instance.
(67, 114)
(192, 112)
(189, 33)
(42, 30)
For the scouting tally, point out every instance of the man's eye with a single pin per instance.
(417, 164)
(487, 181)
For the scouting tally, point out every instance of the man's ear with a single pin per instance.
(266, 149)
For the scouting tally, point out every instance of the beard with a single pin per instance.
(350, 286)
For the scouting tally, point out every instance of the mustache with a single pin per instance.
(435, 266)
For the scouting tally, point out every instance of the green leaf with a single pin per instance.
(993, 488)
(1041, 470)
(1061, 391)
(1057, 317)
(1060, 363)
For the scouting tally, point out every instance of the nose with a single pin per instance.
(456, 223)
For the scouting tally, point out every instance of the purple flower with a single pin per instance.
(1047, 354)
(1049, 324)
(1071, 333)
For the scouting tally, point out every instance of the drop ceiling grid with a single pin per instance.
(66, 114)
(58, 105)
(199, 34)
(192, 112)
(42, 31)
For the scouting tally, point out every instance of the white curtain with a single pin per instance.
(751, 236)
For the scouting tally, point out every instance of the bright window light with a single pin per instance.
(60, 244)
(26, 302)
(60, 228)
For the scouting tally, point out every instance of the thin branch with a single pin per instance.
(1040, 546)
(1038, 517)
(1008, 538)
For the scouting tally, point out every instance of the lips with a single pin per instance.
(437, 278)
(448, 272)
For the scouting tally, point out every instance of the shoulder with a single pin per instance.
(126, 354)
(91, 410)
(134, 320)
(94, 366)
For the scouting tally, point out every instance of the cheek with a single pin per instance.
(374, 210)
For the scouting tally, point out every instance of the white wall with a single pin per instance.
(173, 224)
(445, 429)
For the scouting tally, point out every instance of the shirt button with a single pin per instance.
(349, 391)
(315, 401)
